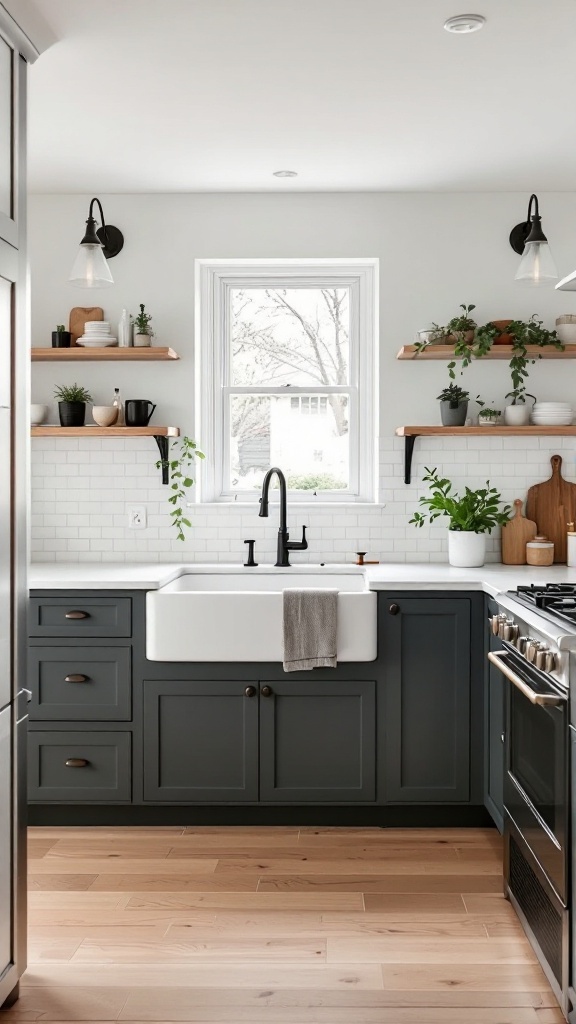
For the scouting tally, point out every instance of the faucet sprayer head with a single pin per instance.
(263, 507)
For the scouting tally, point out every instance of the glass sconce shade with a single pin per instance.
(537, 265)
(90, 268)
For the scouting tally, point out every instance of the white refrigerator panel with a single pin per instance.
(6, 683)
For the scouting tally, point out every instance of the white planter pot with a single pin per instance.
(517, 415)
(466, 549)
(142, 341)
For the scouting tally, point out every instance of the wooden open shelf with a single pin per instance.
(155, 353)
(411, 433)
(55, 431)
(496, 352)
(160, 434)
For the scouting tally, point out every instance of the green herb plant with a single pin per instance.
(72, 393)
(182, 453)
(453, 394)
(474, 511)
(60, 328)
(141, 322)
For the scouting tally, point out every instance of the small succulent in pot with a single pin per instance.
(488, 417)
(61, 338)
(142, 330)
(453, 405)
(72, 401)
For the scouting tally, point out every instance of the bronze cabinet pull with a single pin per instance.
(76, 678)
(394, 609)
(250, 691)
(267, 691)
(76, 762)
(76, 615)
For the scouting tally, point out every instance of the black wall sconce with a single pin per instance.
(98, 245)
(537, 265)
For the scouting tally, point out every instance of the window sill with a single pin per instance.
(292, 503)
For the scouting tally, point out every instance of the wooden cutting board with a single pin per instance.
(552, 505)
(515, 534)
(78, 318)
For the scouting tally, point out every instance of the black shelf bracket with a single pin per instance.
(409, 442)
(163, 443)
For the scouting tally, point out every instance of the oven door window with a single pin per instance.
(536, 755)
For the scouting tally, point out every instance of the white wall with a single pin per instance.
(435, 251)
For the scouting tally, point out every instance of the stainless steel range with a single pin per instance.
(537, 629)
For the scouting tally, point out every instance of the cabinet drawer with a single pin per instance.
(79, 766)
(80, 616)
(78, 683)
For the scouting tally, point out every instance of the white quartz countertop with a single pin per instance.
(492, 578)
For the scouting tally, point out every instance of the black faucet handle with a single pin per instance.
(301, 545)
(250, 563)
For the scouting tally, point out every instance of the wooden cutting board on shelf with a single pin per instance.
(515, 535)
(552, 505)
(79, 316)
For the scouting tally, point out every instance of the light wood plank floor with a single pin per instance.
(275, 925)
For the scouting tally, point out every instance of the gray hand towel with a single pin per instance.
(310, 629)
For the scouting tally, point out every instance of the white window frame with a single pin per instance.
(214, 279)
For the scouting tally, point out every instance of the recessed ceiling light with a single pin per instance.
(462, 23)
(285, 174)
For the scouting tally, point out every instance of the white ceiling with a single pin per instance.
(195, 95)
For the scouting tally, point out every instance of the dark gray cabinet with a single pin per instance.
(318, 741)
(200, 741)
(77, 615)
(79, 767)
(79, 683)
(494, 711)
(426, 747)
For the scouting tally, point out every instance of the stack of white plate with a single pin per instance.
(552, 414)
(97, 335)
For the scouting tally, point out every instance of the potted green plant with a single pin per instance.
(471, 516)
(525, 333)
(72, 401)
(453, 406)
(488, 417)
(61, 338)
(459, 330)
(182, 453)
(142, 330)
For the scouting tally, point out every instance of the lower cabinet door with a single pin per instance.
(317, 742)
(200, 741)
(427, 738)
(79, 767)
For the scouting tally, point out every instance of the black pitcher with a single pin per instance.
(137, 412)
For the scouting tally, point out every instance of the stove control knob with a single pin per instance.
(531, 649)
(515, 633)
(496, 619)
(540, 659)
(505, 623)
(550, 664)
(521, 643)
(511, 631)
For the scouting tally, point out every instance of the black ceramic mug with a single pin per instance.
(137, 412)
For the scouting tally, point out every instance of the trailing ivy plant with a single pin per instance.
(182, 453)
(524, 333)
(474, 511)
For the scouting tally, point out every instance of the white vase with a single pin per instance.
(142, 341)
(517, 415)
(466, 549)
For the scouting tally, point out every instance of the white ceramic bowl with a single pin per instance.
(104, 415)
(38, 414)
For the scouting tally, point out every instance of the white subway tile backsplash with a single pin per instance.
(81, 489)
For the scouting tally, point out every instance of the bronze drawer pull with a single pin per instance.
(250, 691)
(76, 678)
(76, 762)
(267, 691)
(76, 615)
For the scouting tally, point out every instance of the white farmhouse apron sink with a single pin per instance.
(237, 615)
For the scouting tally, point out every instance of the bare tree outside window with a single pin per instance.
(285, 338)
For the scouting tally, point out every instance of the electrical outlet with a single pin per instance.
(137, 517)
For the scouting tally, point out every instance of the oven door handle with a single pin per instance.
(545, 699)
